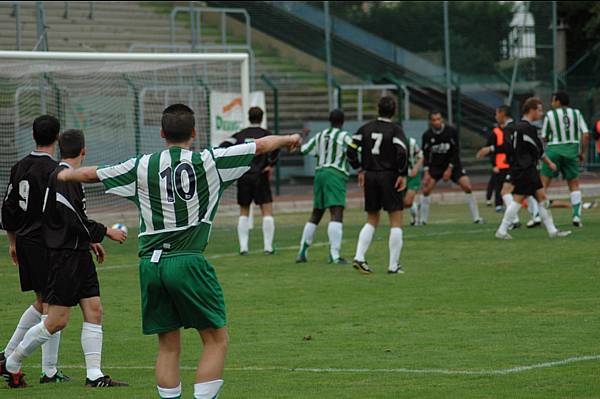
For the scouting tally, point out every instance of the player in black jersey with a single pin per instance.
(442, 161)
(22, 219)
(254, 185)
(383, 169)
(527, 149)
(69, 235)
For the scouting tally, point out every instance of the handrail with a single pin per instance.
(275, 91)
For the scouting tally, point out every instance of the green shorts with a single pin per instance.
(414, 183)
(566, 158)
(181, 290)
(329, 188)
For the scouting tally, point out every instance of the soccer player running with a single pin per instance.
(527, 150)
(442, 161)
(177, 192)
(415, 176)
(329, 189)
(69, 236)
(383, 168)
(254, 185)
(568, 137)
(22, 219)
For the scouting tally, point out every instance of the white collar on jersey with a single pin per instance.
(65, 164)
(384, 119)
(438, 131)
(40, 154)
(506, 122)
(255, 125)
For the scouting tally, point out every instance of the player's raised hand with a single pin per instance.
(400, 183)
(116, 235)
(99, 251)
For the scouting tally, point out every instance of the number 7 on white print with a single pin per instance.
(378, 138)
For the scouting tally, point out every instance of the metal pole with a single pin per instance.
(448, 71)
(17, 10)
(328, 53)
(554, 51)
(513, 80)
(276, 127)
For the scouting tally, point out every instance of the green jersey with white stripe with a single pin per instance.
(414, 153)
(329, 147)
(177, 192)
(563, 126)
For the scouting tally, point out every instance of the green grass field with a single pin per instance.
(464, 320)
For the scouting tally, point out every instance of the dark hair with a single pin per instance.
(255, 115)
(177, 123)
(562, 97)
(531, 103)
(336, 117)
(386, 106)
(433, 112)
(504, 109)
(71, 142)
(45, 130)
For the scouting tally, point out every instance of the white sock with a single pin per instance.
(268, 232)
(473, 206)
(50, 353)
(364, 240)
(308, 234)
(508, 199)
(532, 206)
(166, 393)
(243, 232)
(335, 233)
(509, 215)
(425, 202)
(208, 390)
(33, 339)
(547, 218)
(576, 203)
(414, 211)
(91, 343)
(29, 318)
(395, 245)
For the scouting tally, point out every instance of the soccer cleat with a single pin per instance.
(270, 252)
(301, 259)
(577, 221)
(503, 236)
(514, 225)
(590, 205)
(104, 382)
(397, 270)
(338, 261)
(560, 234)
(479, 221)
(362, 267)
(534, 222)
(488, 203)
(15, 380)
(499, 209)
(2, 364)
(58, 377)
(243, 253)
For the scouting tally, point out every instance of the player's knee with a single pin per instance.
(56, 323)
(94, 312)
(337, 214)
(316, 215)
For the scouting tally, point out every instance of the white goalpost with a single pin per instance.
(115, 98)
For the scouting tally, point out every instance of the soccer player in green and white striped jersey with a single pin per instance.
(568, 138)
(177, 192)
(329, 147)
(415, 176)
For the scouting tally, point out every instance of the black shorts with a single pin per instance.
(457, 172)
(526, 181)
(381, 193)
(72, 277)
(254, 187)
(33, 265)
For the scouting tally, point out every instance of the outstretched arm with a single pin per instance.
(82, 175)
(272, 143)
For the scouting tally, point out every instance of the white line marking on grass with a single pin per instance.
(506, 371)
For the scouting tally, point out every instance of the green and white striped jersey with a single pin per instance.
(329, 147)
(563, 126)
(414, 153)
(177, 192)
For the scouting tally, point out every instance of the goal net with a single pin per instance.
(116, 99)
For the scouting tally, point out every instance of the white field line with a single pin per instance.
(442, 371)
(295, 247)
